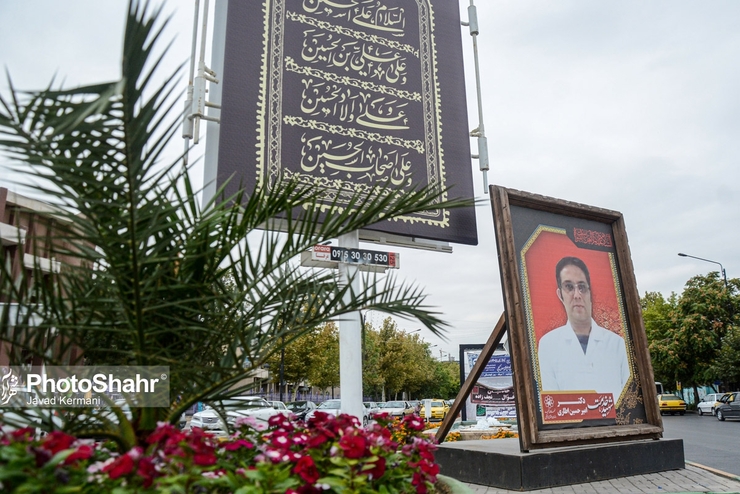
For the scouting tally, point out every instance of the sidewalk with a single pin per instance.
(694, 478)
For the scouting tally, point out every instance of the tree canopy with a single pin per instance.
(693, 337)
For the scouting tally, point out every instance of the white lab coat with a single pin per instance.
(604, 367)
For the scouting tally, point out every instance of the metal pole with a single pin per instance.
(722, 269)
(282, 366)
(480, 132)
(350, 337)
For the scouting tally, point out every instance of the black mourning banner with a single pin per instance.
(349, 95)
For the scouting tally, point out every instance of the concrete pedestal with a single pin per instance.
(499, 463)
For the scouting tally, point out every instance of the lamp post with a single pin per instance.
(722, 269)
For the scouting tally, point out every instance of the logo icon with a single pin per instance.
(8, 385)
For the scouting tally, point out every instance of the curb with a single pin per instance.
(721, 473)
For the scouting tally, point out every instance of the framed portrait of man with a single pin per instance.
(582, 371)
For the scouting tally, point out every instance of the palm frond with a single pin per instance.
(158, 280)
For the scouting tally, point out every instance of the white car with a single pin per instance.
(709, 403)
(237, 407)
(372, 407)
(334, 407)
(280, 407)
(397, 408)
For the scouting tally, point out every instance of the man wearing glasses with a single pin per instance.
(581, 356)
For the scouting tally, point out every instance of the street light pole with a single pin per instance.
(722, 269)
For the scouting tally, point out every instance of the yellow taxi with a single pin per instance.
(671, 404)
(439, 410)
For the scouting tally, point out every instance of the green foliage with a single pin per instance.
(396, 362)
(692, 338)
(327, 454)
(324, 373)
(658, 316)
(158, 279)
(444, 382)
(727, 365)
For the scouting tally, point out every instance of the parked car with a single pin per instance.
(280, 407)
(300, 408)
(729, 408)
(671, 404)
(397, 408)
(372, 407)
(235, 408)
(334, 407)
(708, 403)
(723, 399)
(439, 410)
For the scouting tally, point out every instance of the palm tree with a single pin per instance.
(207, 291)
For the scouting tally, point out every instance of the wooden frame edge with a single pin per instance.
(530, 436)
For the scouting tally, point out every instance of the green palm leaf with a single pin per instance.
(160, 280)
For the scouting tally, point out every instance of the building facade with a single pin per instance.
(27, 237)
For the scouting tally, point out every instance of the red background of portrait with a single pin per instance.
(548, 312)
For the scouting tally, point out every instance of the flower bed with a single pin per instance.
(326, 454)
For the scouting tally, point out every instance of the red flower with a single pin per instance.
(413, 422)
(378, 469)
(419, 483)
(306, 469)
(165, 434)
(354, 446)
(317, 439)
(309, 489)
(82, 453)
(123, 465)
(429, 468)
(41, 456)
(204, 458)
(239, 443)
(282, 422)
(24, 434)
(147, 471)
(57, 441)
(280, 440)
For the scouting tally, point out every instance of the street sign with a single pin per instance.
(330, 253)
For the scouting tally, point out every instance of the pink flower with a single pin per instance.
(280, 439)
(281, 421)
(413, 422)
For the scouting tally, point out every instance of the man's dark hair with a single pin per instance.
(571, 261)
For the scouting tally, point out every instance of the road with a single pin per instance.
(706, 440)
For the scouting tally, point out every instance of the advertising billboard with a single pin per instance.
(492, 395)
(352, 96)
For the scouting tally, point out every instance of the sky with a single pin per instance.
(626, 105)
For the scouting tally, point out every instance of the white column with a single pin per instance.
(350, 338)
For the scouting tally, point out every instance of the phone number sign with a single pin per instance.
(355, 256)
